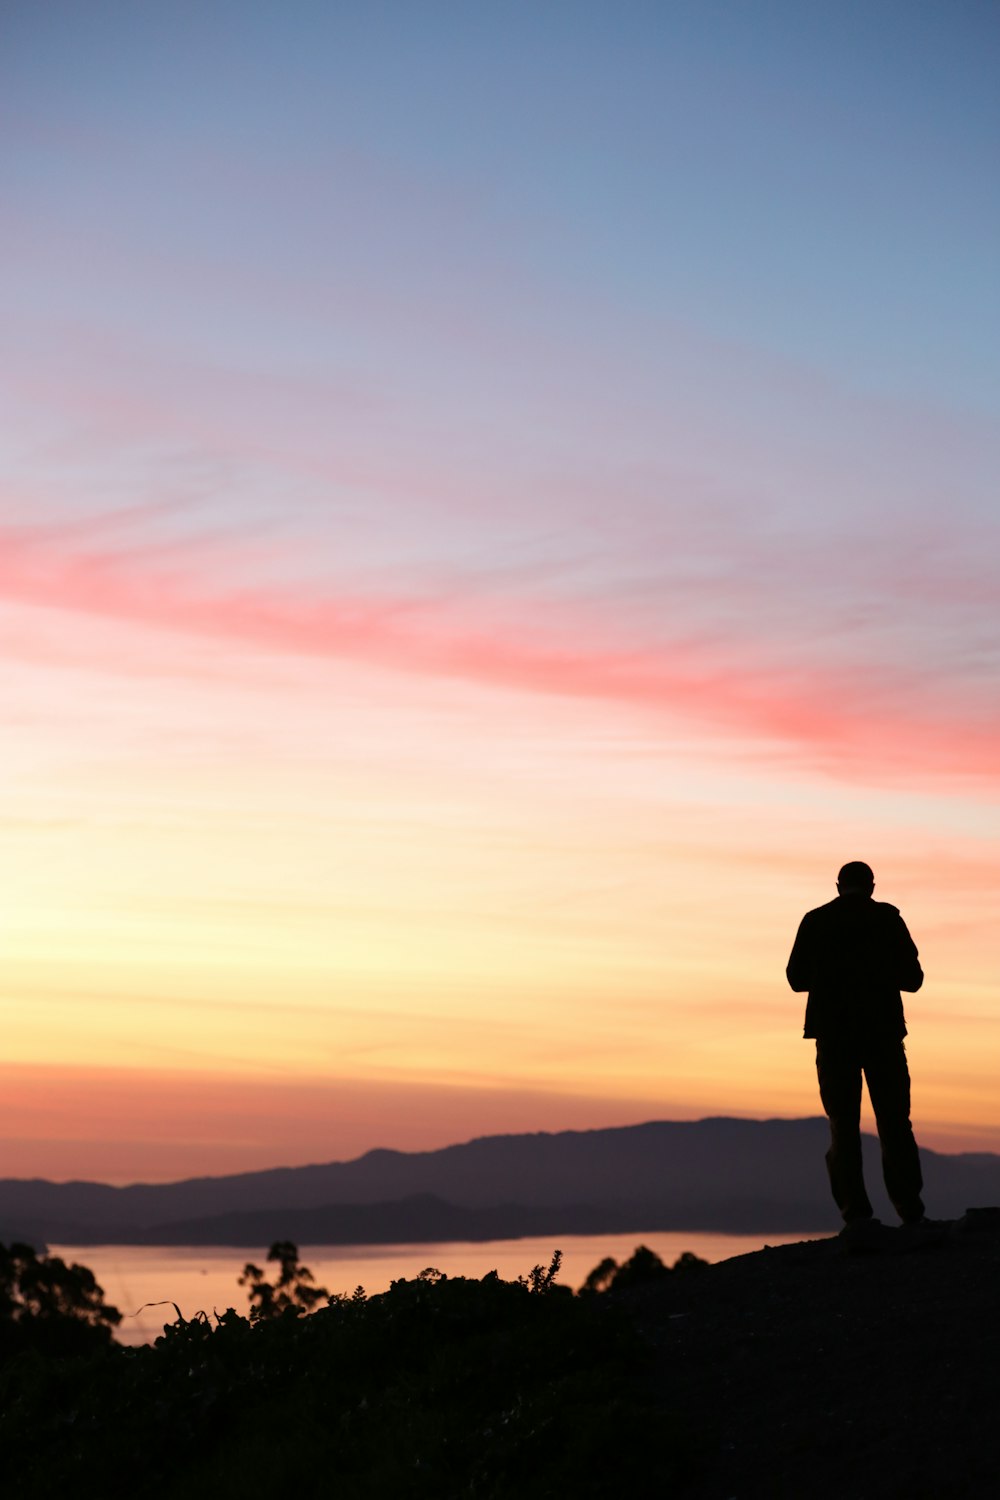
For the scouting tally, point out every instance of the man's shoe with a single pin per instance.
(861, 1235)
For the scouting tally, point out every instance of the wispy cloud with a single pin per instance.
(841, 710)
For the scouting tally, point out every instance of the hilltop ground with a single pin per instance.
(818, 1371)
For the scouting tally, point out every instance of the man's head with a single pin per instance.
(856, 879)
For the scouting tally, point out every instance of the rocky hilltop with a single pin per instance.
(837, 1370)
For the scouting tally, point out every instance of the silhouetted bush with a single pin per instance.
(541, 1280)
(441, 1387)
(49, 1306)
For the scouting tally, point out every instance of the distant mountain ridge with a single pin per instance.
(727, 1175)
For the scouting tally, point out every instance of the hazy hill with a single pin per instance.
(754, 1176)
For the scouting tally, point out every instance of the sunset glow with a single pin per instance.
(498, 504)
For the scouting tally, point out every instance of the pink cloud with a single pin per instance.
(854, 717)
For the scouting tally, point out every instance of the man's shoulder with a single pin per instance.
(841, 907)
(820, 913)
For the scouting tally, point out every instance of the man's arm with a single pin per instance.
(910, 974)
(800, 964)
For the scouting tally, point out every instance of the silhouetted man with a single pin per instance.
(854, 955)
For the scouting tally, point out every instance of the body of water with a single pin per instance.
(205, 1278)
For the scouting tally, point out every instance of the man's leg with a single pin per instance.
(888, 1080)
(838, 1068)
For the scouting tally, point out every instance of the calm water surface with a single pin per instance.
(199, 1277)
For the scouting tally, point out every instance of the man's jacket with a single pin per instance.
(854, 955)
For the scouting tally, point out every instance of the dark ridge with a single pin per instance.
(719, 1174)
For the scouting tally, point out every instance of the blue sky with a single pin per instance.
(814, 180)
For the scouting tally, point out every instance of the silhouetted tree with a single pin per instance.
(293, 1288)
(48, 1305)
(601, 1276)
(688, 1261)
(642, 1266)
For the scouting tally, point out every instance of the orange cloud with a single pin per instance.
(134, 1124)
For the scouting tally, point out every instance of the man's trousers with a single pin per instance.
(840, 1066)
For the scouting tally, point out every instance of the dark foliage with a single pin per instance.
(543, 1279)
(642, 1267)
(441, 1387)
(688, 1261)
(50, 1307)
(293, 1289)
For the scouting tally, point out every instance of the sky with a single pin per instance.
(499, 502)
